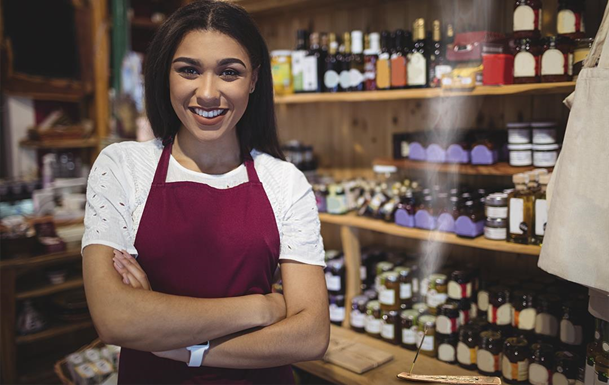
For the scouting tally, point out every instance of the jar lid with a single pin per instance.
(544, 125)
(391, 276)
(410, 314)
(462, 304)
(383, 266)
(585, 42)
(420, 307)
(497, 200)
(499, 292)
(373, 305)
(438, 279)
(480, 323)
(490, 336)
(403, 271)
(520, 147)
(390, 314)
(545, 147)
(542, 352)
(524, 297)
(496, 222)
(518, 125)
(427, 320)
(449, 310)
(461, 275)
(565, 362)
(513, 342)
(281, 52)
(360, 300)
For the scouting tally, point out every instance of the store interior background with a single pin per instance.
(73, 64)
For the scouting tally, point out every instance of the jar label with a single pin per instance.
(363, 273)
(496, 212)
(446, 353)
(445, 325)
(521, 158)
(405, 290)
(428, 343)
(435, 299)
(388, 331)
(357, 319)
(387, 297)
(465, 354)
(409, 336)
(373, 325)
(345, 80)
(526, 18)
(516, 215)
(337, 314)
(517, 371)
(417, 68)
(487, 362)
(568, 22)
(501, 315)
(483, 300)
(570, 57)
(495, 234)
(546, 324)
(337, 204)
(525, 319)
(541, 216)
(561, 379)
(459, 291)
(357, 78)
(525, 65)
(331, 79)
(383, 72)
(545, 158)
(309, 75)
(281, 76)
(553, 62)
(570, 334)
(539, 375)
(464, 317)
(333, 282)
(297, 69)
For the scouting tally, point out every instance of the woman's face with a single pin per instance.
(209, 83)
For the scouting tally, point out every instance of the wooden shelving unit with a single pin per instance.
(54, 331)
(144, 23)
(68, 143)
(499, 169)
(70, 284)
(427, 93)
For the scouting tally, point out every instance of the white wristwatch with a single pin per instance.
(196, 354)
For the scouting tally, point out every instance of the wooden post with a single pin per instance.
(101, 63)
(353, 261)
(8, 350)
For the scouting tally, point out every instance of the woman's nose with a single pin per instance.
(207, 89)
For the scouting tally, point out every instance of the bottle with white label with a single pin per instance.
(574, 313)
(311, 66)
(345, 63)
(557, 59)
(542, 364)
(527, 56)
(520, 211)
(390, 329)
(540, 214)
(337, 309)
(488, 358)
(524, 313)
(547, 319)
(419, 58)
(298, 56)
(570, 18)
(331, 75)
(357, 62)
(527, 18)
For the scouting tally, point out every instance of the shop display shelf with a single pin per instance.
(352, 220)
(427, 93)
(53, 331)
(498, 169)
(384, 374)
(49, 289)
(72, 254)
(67, 143)
(144, 23)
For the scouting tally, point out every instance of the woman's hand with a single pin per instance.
(130, 270)
(276, 308)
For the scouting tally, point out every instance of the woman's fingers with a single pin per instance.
(127, 266)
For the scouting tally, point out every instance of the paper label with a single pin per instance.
(435, 299)
(545, 158)
(516, 215)
(345, 80)
(541, 216)
(405, 290)
(417, 68)
(565, 22)
(561, 379)
(526, 319)
(465, 354)
(487, 362)
(445, 325)
(387, 297)
(539, 375)
(388, 331)
(521, 158)
(524, 18)
(428, 343)
(546, 324)
(333, 282)
(459, 291)
(446, 353)
(357, 77)
(570, 334)
(297, 69)
(501, 315)
(495, 234)
(357, 319)
(553, 63)
(337, 314)
(373, 325)
(483, 300)
(524, 65)
(496, 212)
(309, 76)
(409, 336)
(331, 79)
(518, 371)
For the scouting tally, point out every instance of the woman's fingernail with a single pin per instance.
(119, 264)
(125, 279)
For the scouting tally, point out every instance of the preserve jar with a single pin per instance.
(469, 338)
(447, 320)
(542, 364)
(428, 347)
(489, 353)
(373, 319)
(390, 291)
(523, 310)
(515, 361)
(527, 56)
(460, 285)
(391, 327)
(357, 319)
(527, 18)
(570, 18)
(557, 59)
(447, 348)
(409, 323)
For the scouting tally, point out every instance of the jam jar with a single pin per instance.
(527, 55)
(527, 18)
(390, 290)
(447, 321)
(335, 276)
(548, 314)
(405, 279)
(391, 327)
(489, 353)
(428, 347)
(542, 364)
(467, 309)
(496, 205)
(421, 308)
(572, 323)
(460, 285)
(381, 268)
(357, 320)
(409, 323)
(469, 338)
(523, 310)
(557, 59)
(500, 308)
(437, 294)
(565, 368)
(337, 309)
(482, 299)
(570, 18)
(447, 347)
(374, 320)
(515, 361)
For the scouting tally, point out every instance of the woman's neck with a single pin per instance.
(217, 157)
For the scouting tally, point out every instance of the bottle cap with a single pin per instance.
(357, 43)
(375, 44)
(520, 178)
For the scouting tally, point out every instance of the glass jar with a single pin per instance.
(545, 155)
(582, 49)
(447, 321)
(391, 327)
(447, 348)
(565, 368)
(548, 314)
(381, 268)
(409, 323)
(335, 276)
(520, 155)
(337, 309)
(438, 291)
(500, 308)
(467, 309)
(542, 364)
(281, 69)
(523, 310)
(527, 56)
(482, 297)
(572, 323)
(570, 18)
(421, 308)
(357, 320)
(389, 294)
(495, 229)
(373, 319)
(428, 348)
(544, 132)
(469, 338)
(496, 206)
(460, 285)
(515, 361)
(557, 59)
(489, 353)
(519, 133)
(527, 18)
(405, 287)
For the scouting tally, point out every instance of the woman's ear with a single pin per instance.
(254, 79)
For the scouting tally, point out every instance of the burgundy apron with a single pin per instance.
(198, 241)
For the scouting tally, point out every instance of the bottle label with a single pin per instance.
(517, 371)
(483, 300)
(357, 78)
(441, 70)
(495, 234)
(398, 71)
(409, 336)
(570, 334)
(281, 75)
(333, 282)
(516, 215)
(388, 331)
(428, 343)
(545, 158)
(337, 204)
(546, 324)
(363, 273)
(445, 325)
(345, 80)
(370, 70)
(526, 19)
(554, 62)
(435, 299)
(446, 353)
(561, 379)
(417, 69)
(496, 212)
(357, 319)
(539, 375)
(405, 290)
(337, 314)
(501, 315)
(387, 297)
(525, 65)
(297, 69)
(331, 79)
(465, 354)
(459, 291)
(568, 22)
(525, 319)
(383, 72)
(310, 80)
(487, 362)
(541, 216)
(373, 325)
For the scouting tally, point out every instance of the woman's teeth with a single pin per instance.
(208, 114)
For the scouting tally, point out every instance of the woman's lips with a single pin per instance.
(209, 121)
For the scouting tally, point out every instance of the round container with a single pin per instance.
(527, 18)
(496, 206)
(409, 323)
(557, 59)
(460, 285)
(495, 229)
(357, 320)
(421, 308)
(469, 338)
(438, 291)
(337, 309)
(467, 309)
(548, 314)
(570, 19)
(545, 155)
(405, 286)
(542, 364)
(335, 276)
(515, 361)
(520, 155)
(526, 61)
(489, 352)
(391, 327)
(374, 319)
(572, 323)
(447, 348)
(281, 68)
(544, 132)
(523, 310)
(582, 49)
(565, 368)
(428, 348)
(519, 133)
(381, 268)
(447, 321)
(389, 294)
(500, 308)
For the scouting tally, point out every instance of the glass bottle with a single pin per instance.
(540, 215)
(439, 65)
(520, 211)
(331, 75)
(398, 61)
(311, 72)
(542, 364)
(527, 58)
(298, 56)
(527, 18)
(383, 65)
(345, 64)
(469, 337)
(357, 62)
(489, 353)
(371, 56)
(418, 59)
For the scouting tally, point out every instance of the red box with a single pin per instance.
(498, 69)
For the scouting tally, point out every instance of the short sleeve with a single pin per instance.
(108, 219)
(300, 231)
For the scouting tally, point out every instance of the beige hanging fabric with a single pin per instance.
(576, 241)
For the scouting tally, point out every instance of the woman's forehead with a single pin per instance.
(210, 46)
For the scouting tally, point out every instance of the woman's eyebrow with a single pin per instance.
(197, 63)
(231, 61)
(188, 60)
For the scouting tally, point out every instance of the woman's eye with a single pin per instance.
(188, 71)
(230, 73)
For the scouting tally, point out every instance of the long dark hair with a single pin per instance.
(257, 129)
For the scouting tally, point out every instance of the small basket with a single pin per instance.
(61, 366)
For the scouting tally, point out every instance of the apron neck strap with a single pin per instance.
(252, 175)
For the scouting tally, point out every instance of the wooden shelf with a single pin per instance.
(499, 169)
(352, 220)
(144, 23)
(384, 374)
(53, 331)
(49, 289)
(427, 93)
(68, 143)
(41, 260)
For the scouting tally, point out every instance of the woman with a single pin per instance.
(209, 209)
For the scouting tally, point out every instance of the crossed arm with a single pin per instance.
(130, 316)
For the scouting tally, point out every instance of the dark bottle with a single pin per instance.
(515, 361)
(321, 63)
(357, 62)
(345, 63)
(542, 364)
(438, 64)
(469, 338)
(489, 353)
(371, 56)
(332, 73)
(298, 57)
(418, 60)
(312, 69)
(548, 315)
(383, 65)
(398, 61)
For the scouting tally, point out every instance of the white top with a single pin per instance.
(121, 177)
